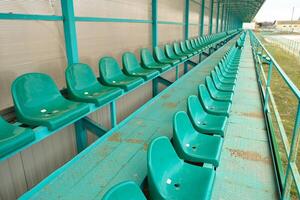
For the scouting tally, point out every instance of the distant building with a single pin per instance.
(288, 26)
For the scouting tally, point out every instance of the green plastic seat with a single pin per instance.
(228, 70)
(13, 137)
(132, 67)
(169, 177)
(127, 190)
(193, 146)
(210, 105)
(185, 50)
(219, 85)
(217, 94)
(224, 80)
(149, 62)
(179, 52)
(203, 121)
(194, 45)
(225, 74)
(160, 56)
(171, 54)
(111, 75)
(38, 102)
(190, 47)
(83, 86)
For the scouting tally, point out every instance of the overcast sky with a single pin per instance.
(278, 10)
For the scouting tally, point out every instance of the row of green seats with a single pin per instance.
(38, 101)
(176, 172)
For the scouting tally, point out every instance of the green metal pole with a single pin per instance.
(202, 18)
(186, 30)
(211, 16)
(187, 11)
(292, 159)
(70, 31)
(218, 13)
(222, 20)
(72, 56)
(154, 24)
(154, 42)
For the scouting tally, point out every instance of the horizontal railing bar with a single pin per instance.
(296, 176)
(280, 125)
(285, 77)
(104, 19)
(12, 16)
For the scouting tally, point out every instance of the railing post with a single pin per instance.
(211, 16)
(154, 41)
(72, 56)
(268, 84)
(292, 156)
(113, 114)
(70, 31)
(218, 13)
(202, 18)
(186, 27)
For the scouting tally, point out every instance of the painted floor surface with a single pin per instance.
(246, 170)
(123, 155)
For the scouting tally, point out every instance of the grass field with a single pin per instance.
(285, 100)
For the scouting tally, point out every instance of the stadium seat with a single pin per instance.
(169, 177)
(160, 56)
(111, 75)
(204, 122)
(193, 146)
(223, 79)
(128, 190)
(185, 50)
(171, 54)
(149, 62)
(190, 48)
(211, 106)
(217, 94)
(13, 137)
(179, 52)
(219, 85)
(83, 86)
(132, 67)
(38, 102)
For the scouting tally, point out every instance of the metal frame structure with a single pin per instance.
(69, 21)
(291, 174)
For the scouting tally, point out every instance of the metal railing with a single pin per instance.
(288, 178)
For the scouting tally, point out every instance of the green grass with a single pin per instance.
(285, 100)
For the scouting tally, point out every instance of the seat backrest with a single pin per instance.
(182, 127)
(109, 68)
(128, 190)
(169, 50)
(32, 91)
(161, 158)
(177, 48)
(203, 93)
(188, 44)
(195, 108)
(210, 85)
(146, 57)
(183, 47)
(80, 76)
(159, 54)
(130, 62)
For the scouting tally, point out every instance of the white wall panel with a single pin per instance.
(42, 7)
(96, 40)
(30, 46)
(171, 10)
(168, 33)
(131, 9)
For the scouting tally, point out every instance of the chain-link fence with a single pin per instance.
(291, 46)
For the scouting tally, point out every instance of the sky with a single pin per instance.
(278, 10)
